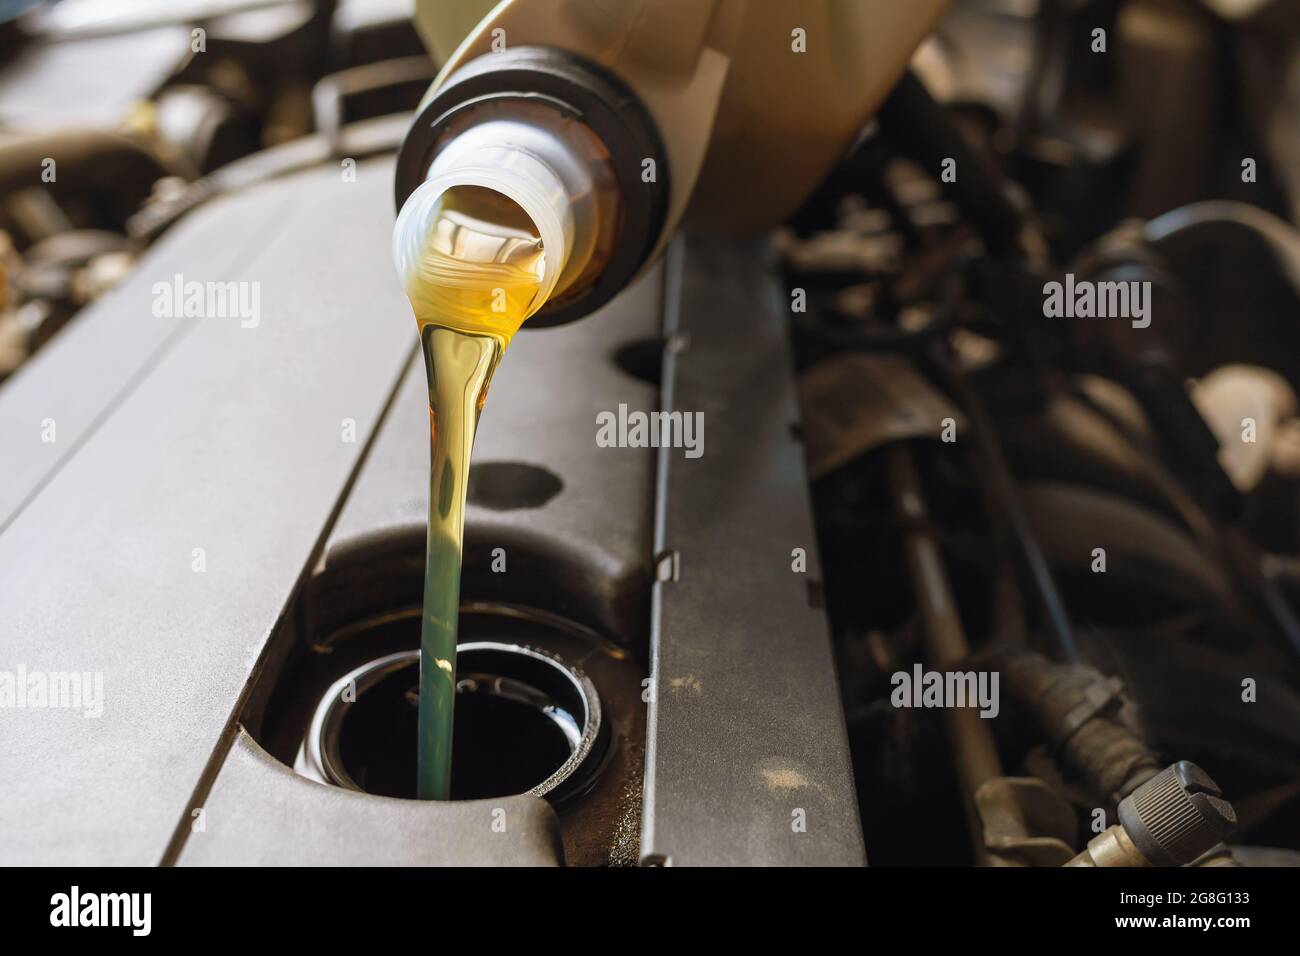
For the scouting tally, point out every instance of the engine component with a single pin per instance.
(957, 522)
(1171, 820)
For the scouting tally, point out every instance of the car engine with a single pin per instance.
(952, 520)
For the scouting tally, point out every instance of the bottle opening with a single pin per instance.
(475, 261)
(487, 235)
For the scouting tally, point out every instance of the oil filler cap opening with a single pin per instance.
(525, 722)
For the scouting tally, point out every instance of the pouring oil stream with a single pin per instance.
(477, 272)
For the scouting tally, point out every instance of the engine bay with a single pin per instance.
(952, 522)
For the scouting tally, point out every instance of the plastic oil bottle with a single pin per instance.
(503, 221)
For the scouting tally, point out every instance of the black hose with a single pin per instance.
(101, 158)
(1003, 501)
(919, 127)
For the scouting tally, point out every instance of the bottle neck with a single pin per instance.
(550, 165)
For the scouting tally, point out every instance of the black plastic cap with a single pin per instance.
(1177, 815)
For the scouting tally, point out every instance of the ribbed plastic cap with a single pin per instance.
(1177, 815)
(524, 163)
